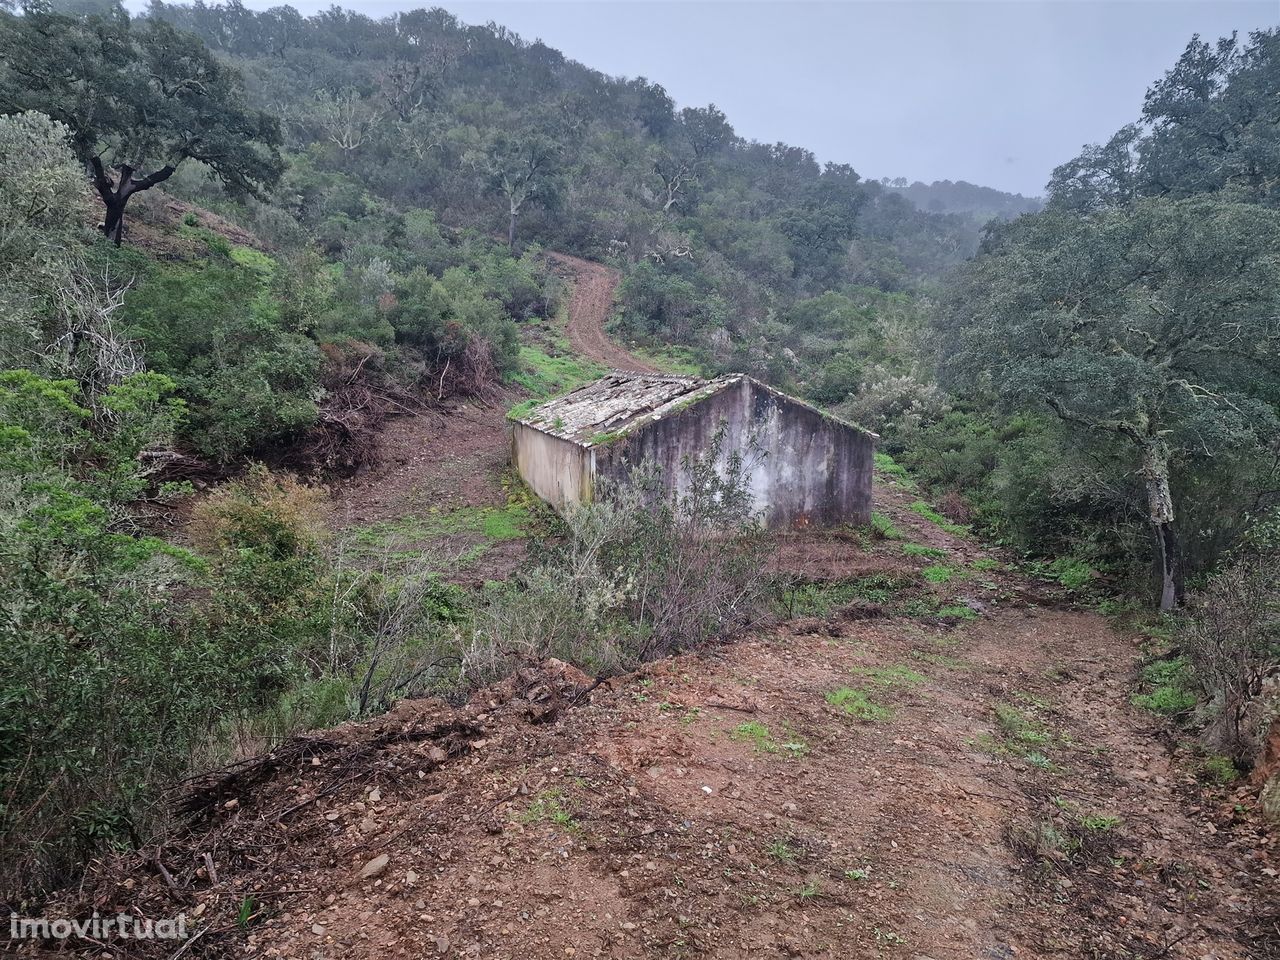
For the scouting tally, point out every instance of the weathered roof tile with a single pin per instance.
(617, 402)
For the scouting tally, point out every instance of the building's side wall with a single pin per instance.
(556, 470)
(805, 469)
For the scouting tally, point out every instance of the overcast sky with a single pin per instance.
(996, 93)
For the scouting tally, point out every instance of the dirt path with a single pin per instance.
(438, 464)
(440, 478)
(983, 790)
(589, 307)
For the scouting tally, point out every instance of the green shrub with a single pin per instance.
(1073, 573)
(442, 316)
(115, 673)
(217, 329)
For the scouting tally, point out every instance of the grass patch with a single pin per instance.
(818, 598)
(957, 611)
(1099, 823)
(783, 851)
(938, 573)
(1045, 840)
(549, 806)
(545, 375)
(681, 361)
(1021, 735)
(758, 735)
(857, 704)
(810, 891)
(1017, 726)
(406, 536)
(933, 516)
(1169, 687)
(986, 563)
(884, 527)
(920, 550)
(1218, 770)
(524, 409)
(889, 467)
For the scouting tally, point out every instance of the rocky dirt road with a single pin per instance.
(590, 304)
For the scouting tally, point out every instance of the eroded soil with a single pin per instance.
(590, 304)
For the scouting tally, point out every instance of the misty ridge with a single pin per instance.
(320, 643)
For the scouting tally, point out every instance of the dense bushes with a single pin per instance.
(128, 658)
(101, 689)
(643, 573)
(238, 330)
(131, 660)
(1232, 641)
(216, 326)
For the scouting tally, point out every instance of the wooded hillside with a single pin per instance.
(238, 247)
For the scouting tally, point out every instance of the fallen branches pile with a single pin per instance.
(359, 396)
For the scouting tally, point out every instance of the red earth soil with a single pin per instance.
(590, 304)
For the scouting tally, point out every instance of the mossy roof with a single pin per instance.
(617, 402)
(603, 410)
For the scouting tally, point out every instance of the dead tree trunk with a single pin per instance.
(1155, 474)
(115, 196)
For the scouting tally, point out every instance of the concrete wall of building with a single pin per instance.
(805, 469)
(556, 470)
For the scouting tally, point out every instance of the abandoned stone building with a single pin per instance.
(806, 468)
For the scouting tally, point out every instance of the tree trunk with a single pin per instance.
(113, 222)
(1155, 473)
(115, 197)
(511, 227)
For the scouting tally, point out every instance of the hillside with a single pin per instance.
(976, 202)
(724, 243)
(903, 768)
(925, 754)
(292, 651)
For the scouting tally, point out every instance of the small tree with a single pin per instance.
(1232, 637)
(55, 316)
(139, 100)
(1156, 323)
(678, 164)
(522, 168)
